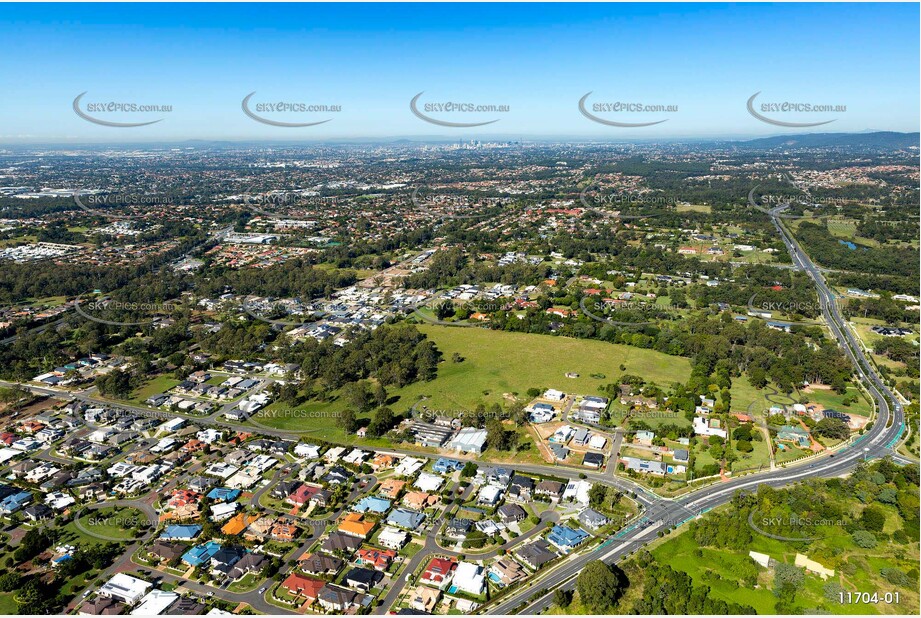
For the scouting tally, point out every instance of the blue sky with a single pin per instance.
(538, 59)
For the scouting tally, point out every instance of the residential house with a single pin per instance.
(339, 542)
(566, 538)
(302, 586)
(424, 599)
(378, 559)
(520, 488)
(510, 513)
(319, 564)
(354, 524)
(420, 500)
(592, 519)
(336, 598)
(550, 489)
(536, 554)
(469, 578)
(393, 538)
(439, 572)
(362, 579)
(405, 518)
(507, 571)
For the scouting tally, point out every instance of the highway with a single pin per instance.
(663, 514)
(658, 513)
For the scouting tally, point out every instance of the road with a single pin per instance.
(664, 514)
(659, 513)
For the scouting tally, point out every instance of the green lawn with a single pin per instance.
(497, 363)
(157, 385)
(115, 523)
(722, 570)
(8, 605)
(747, 399)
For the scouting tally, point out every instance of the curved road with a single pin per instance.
(665, 514)
(659, 513)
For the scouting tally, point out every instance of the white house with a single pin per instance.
(429, 482)
(470, 578)
(392, 538)
(125, 588)
(307, 451)
(155, 603)
(708, 427)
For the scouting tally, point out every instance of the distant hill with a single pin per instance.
(875, 139)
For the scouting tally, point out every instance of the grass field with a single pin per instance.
(157, 385)
(721, 570)
(114, 523)
(497, 364)
(8, 605)
(749, 400)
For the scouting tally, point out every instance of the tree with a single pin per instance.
(380, 394)
(116, 383)
(788, 575)
(873, 519)
(382, 422)
(833, 428)
(10, 581)
(864, 539)
(597, 495)
(347, 421)
(562, 597)
(358, 396)
(469, 470)
(600, 586)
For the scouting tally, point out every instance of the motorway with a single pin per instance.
(664, 514)
(658, 513)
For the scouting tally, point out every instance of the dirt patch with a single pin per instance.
(541, 445)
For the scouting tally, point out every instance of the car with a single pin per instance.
(210, 594)
(262, 590)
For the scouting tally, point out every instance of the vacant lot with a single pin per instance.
(498, 364)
